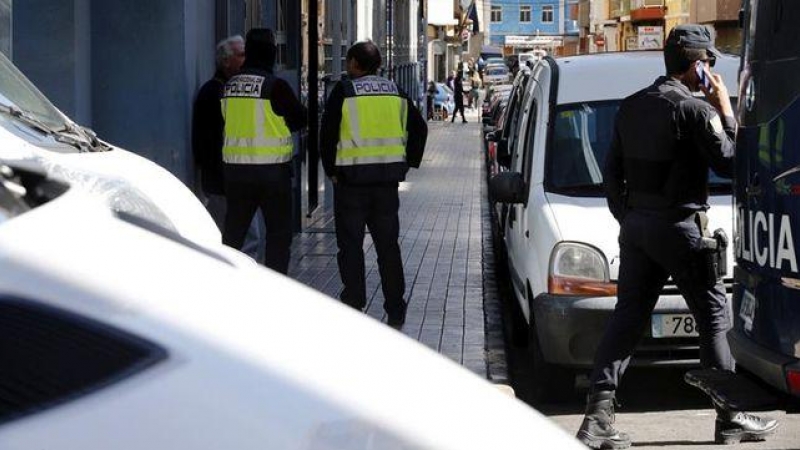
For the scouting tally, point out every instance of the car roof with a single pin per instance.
(616, 75)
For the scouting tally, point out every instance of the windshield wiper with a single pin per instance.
(27, 119)
(67, 135)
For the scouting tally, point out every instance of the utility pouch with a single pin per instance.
(713, 257)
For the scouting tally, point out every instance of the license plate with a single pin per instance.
(747, 310)
(674, 325)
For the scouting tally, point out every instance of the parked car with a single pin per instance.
(501, 136)
(496, 73)
(495, 110)
(444, 99)
(492, 92)
(33, 131)
(495, 60)
(120, 335)
(561, 240)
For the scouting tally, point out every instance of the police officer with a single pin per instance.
(656, 183)
(260, 112)
(371, 134)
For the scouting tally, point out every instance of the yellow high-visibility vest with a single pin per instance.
(373, 127)
(254, 134)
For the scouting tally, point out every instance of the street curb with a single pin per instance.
(496, 360)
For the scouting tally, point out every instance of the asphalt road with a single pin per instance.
(659, 411)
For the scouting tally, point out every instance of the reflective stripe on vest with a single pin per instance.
(373, 130)
(254, 134)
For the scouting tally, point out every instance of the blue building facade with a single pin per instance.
(130, 69)
(511, 21)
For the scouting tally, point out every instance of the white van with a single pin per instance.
(560, 239)
(36, 133)
(180, 346)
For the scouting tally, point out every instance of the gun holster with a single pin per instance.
(714, 260)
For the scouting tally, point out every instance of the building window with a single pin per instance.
(525, 14)
(497, 14)
(547, 14)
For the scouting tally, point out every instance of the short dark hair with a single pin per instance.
(679, 59)
(259, 46)
(367, 56)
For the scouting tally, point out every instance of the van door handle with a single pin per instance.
(527, 233)
(785, 174)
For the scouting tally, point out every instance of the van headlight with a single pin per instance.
(579, 269)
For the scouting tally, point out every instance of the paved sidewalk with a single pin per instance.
(445, 239)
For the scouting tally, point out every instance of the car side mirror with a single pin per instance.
(486, 120)
(507, 187)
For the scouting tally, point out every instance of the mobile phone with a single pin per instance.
(701, 75)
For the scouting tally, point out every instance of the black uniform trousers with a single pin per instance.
(375, 206)
(274, 196)
(653, 248)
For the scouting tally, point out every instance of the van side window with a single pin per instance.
(530, 139)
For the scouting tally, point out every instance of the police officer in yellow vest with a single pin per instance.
(371, 134)
(260, 112)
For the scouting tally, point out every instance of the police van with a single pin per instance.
(765, 339)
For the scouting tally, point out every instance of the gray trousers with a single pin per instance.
(255, 241)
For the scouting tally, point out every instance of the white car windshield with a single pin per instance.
(582, 136)
(20, 94)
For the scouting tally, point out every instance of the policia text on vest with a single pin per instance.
(371, 135)
(260, 112)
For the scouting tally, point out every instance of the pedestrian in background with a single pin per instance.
(475, 93)
(207, 139)
(261, 111)
(371, 134)
(458, 93)
(431, 94)
(207, 126)
(656, 182)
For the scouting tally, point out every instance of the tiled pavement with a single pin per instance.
(445, 240)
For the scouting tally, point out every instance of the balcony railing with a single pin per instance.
(647, 10)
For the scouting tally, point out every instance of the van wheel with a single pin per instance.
(551, 383)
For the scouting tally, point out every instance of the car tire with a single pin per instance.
(551, 383)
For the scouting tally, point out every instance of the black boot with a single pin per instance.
(732, 427)
(596, 430)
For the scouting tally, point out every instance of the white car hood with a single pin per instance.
(126, 181)
(588, 220)
(255, 360)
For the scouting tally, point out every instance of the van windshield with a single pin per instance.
(582, 135)
(19, 93)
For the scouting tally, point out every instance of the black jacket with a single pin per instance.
(665, 140)
(369, 173)
(207, 131)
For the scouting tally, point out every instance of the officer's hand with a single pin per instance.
(718, 95)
